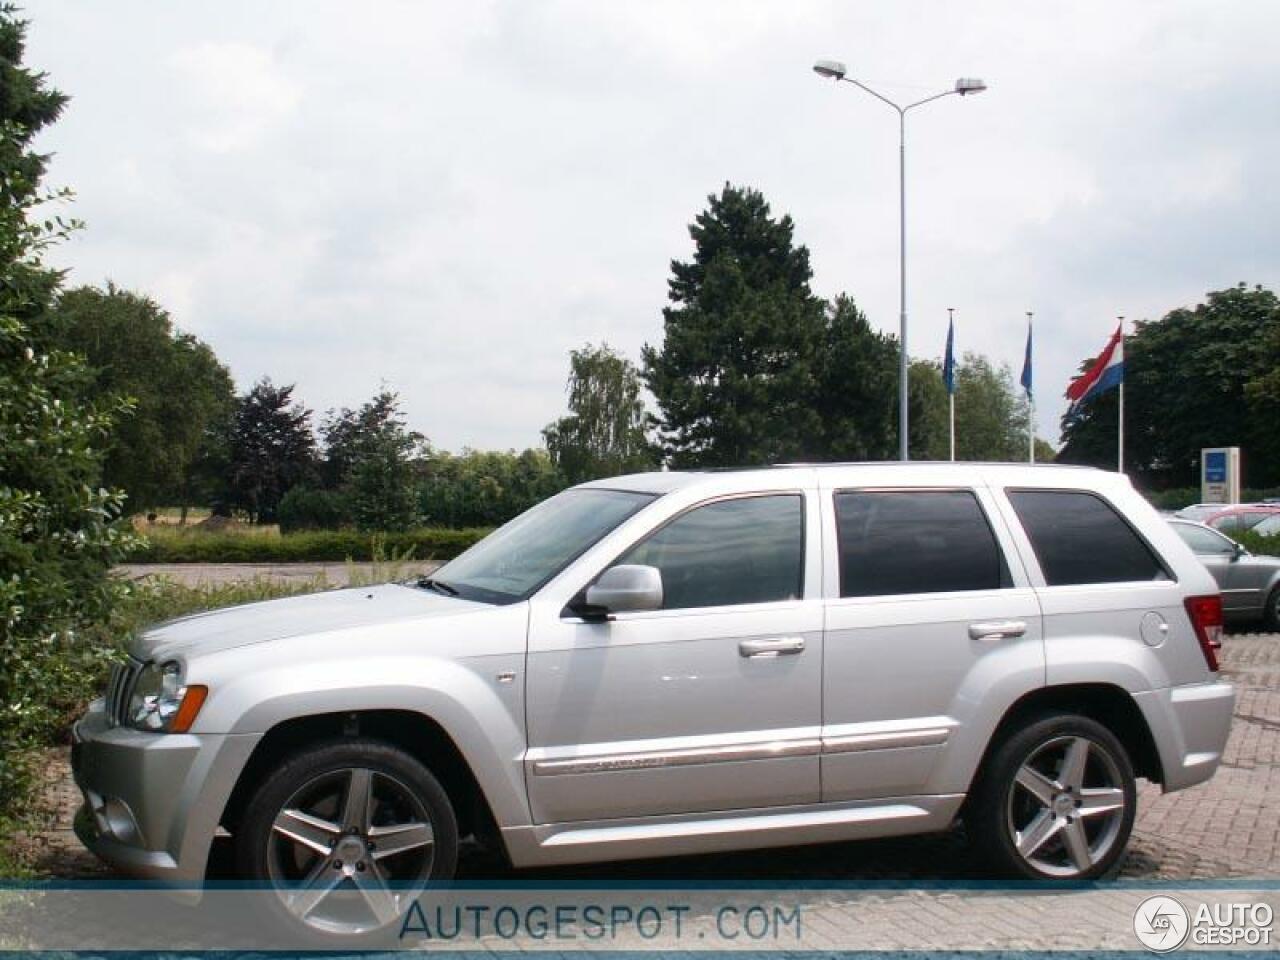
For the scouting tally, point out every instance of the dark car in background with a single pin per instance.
(1250, 584)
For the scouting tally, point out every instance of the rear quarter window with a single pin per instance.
(1080, 538)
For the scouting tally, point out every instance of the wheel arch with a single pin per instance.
(1108, 704)
(416, 733)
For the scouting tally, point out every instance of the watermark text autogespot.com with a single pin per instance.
(755, 922)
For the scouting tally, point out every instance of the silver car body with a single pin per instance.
(1247, 581)
(678, 731)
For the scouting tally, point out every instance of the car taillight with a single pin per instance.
(1206, 620)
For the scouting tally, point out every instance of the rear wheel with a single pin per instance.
(345, 834)
(1271, 612)
(1055, 802)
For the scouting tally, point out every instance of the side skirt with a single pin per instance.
(678, 835)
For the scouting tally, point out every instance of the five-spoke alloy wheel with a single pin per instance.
(345, 834)
(1056, 801)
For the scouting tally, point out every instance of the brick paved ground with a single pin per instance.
(1227, 829)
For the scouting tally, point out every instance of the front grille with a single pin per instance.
(119, 687)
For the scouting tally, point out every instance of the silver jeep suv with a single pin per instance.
(673, 663)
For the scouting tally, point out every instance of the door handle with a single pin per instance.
(775, 647)
(997, 630)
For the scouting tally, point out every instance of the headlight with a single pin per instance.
(161, 702)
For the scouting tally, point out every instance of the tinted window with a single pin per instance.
(926, 541)
(1203, 541)
(1079, 538)
(749, 550)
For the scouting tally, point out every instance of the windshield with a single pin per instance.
(518, 558)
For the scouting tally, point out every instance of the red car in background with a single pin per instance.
(1238, 519)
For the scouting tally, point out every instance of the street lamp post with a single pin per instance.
(835, 70)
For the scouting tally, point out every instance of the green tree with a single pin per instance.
(271, 448)
(736, 375)
(178, 388)
(1195, 378)
(604, 432)
(855, 394)
(57, 541)
(484, 488)
(929, 437)
(991, 415)
(370, 454)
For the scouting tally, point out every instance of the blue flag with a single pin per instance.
(949, 362)
(1026, 363)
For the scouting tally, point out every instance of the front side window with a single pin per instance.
(518, 558)
(1080, 538)
(1204, 542)
(746, 550)
(915, 541)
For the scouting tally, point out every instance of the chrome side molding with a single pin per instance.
(763, 750)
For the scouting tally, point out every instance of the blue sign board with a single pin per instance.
(1215, 466)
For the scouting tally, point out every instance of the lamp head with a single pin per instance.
(832, 69)
(966, 85)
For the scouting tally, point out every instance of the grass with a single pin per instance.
(172, 545)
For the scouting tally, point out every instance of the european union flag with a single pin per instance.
(949, 362)
(1026, 363)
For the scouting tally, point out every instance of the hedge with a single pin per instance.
(307, 547)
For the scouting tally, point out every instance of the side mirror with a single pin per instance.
(628, 586)
(1237, 552)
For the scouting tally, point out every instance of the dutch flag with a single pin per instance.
(1106, 373)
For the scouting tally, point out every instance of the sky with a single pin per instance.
(445, 198)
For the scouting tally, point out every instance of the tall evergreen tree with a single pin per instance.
(736, 376)
(856, 395)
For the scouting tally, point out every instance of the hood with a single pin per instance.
(230, 627)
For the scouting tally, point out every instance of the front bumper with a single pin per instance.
(153, 801)
(1190, 725)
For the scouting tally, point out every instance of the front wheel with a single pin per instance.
(345, 834)
(1055, 802)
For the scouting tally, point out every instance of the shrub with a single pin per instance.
(302, 509)
(305, 547)
(1174, 499)
(1255, 543)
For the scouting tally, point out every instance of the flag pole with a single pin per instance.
(1031, 407)
(951, 394)
(1120, 430)
(951, 404)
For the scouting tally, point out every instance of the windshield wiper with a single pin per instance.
(439, 586)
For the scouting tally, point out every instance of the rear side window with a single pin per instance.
(915, 541)
(1204, 541)
(1080, 538)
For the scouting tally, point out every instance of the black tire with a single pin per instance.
(1001, 812)
(405, 784)
(1271, 612)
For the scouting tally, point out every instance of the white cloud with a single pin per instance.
(234, 92)
(450, 196)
